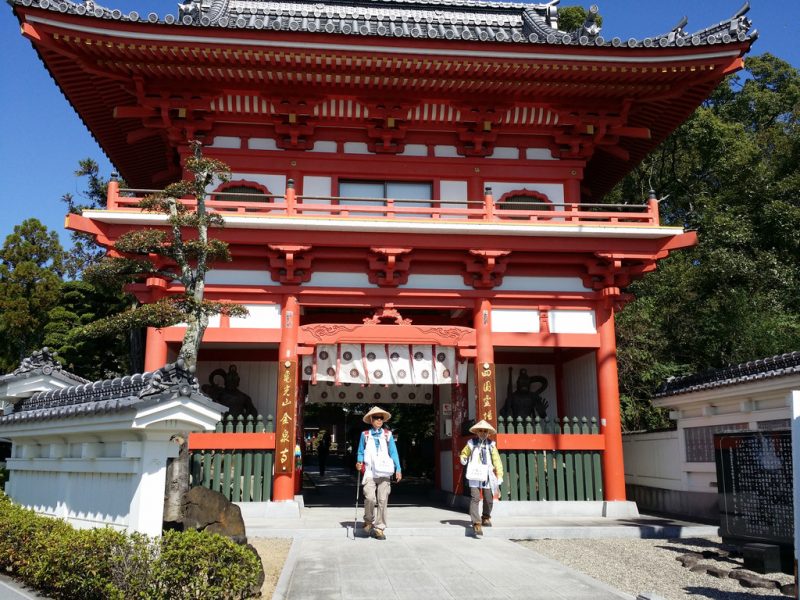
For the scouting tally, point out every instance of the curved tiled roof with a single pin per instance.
(105, 396)
(442, 19)
(42, 362)
(776, 366)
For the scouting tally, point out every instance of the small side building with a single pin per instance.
(674, 471)
(95, 453)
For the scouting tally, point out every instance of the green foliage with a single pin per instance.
(64, 563)
(81, 304)
(31, 265)
(182, 252)
(731, 173)
(572, 18)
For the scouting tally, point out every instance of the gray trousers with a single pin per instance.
(376, 501)
(475, 500)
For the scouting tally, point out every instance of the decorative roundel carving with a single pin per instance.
(324, 355)
(425, 374)
(324, 395)
(353, 372)
(342, 395)
(308, 370)
(418, 356)
(411, 396)
(401, 374)
(378, 374)
(395, 356)
(395, 395)
(377, 395)
(331, 371)
(347, 356)
(446, 373)
(428, 396)
(360, 395)
(441, 357)
(371, 356)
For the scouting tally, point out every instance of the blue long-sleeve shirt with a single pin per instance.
(376, 437)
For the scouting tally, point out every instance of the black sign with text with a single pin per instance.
(754, 479)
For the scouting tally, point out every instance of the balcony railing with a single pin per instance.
(487, 209)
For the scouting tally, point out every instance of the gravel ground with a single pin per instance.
(273, 553)
(640, 566)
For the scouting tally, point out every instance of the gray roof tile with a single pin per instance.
(776, 366)
(506, 22)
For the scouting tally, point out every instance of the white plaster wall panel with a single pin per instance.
(276, 184)
(542, 284)
(325, 146)
(316, 186)
(239, 277)
(415, 150)
(423, 281)
(262, 316)
(257, 379)
(356, 148)
(572, 321)
(338, 279)
(224, 141)
(505, 152)
(445, 151)
(539, 154)
(650, 459)
(261, 144)
(580, 387)
(456, 195)
(553, 191)
(548, 393)
(506, 320)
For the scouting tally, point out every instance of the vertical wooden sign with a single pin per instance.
(285, 425)
(487, 401)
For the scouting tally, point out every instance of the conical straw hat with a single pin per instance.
(482, 425)
(376, 410)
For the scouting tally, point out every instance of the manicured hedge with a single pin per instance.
(86, 564)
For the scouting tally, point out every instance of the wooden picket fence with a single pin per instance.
(541, 465)
(237, 459)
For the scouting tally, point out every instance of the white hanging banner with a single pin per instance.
(384, 364)
(349, 393)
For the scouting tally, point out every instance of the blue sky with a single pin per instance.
(43, 138)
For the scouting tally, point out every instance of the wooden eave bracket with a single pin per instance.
(294, 124)
(290, 265)
(388, 267)
(619, 270)
(484, 270)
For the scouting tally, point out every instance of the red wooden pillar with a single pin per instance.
(485, 396)
(608, 400)
(284, 483)
(155, 348)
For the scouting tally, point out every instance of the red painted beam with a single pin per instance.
(550, 441)
(232, 441)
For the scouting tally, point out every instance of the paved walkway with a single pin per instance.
(430, 567)
(430, 551)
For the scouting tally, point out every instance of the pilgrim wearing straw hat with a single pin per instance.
(378, 461)
(484, 473)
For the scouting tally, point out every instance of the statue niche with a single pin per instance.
(229, 394)
(522, 402)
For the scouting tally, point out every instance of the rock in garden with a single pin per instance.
(210, 511)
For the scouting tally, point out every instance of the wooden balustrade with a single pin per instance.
(550, 459)
(477, 212)
(236, 460)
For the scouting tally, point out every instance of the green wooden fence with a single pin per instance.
(240, 475)
(543, 474)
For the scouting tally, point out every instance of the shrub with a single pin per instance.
(70, 564)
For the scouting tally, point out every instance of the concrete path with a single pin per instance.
(11, 590)
(415, 567)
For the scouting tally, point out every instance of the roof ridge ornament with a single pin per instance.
(43, 360)
(172, 377)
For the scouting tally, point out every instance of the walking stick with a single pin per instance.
(355, 517)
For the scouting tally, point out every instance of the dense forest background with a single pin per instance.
(731, 172)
